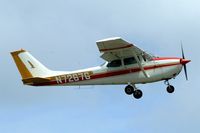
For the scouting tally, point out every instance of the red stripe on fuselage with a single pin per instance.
(111, 73)
(165, 58)
(127, 71)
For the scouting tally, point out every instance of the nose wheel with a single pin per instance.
(132, 90)
(170, 88)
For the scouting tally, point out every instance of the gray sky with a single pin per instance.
(62, 35)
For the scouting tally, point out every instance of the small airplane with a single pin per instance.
(125, 64)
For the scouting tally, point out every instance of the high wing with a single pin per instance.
(117, 48)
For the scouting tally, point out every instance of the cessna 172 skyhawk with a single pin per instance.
(125, 64)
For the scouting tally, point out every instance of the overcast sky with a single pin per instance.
(62, 34)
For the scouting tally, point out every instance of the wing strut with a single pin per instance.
(140, 65)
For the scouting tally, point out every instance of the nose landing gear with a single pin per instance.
(131, 89)
(170, 88)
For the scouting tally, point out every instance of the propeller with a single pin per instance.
(184, 61)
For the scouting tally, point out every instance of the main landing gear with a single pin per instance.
(170, 88)
(132, 90)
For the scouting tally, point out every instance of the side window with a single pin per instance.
(144, 58)
(129, 61)
(115, 63)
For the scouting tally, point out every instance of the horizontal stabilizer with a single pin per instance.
(36, 80)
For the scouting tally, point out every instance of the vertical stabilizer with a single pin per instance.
(28, 66)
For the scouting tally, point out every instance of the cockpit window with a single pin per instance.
(115, 63)
(129, 61)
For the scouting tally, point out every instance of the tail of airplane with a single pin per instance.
(29, 67)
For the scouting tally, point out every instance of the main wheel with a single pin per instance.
(170, 89)
(137, 94)
(129, 90)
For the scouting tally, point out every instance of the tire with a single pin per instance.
(170, 89)
(129, 90)
(137, 94)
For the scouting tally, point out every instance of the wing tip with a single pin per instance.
(108, 39)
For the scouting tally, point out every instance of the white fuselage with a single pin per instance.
(158, 69)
